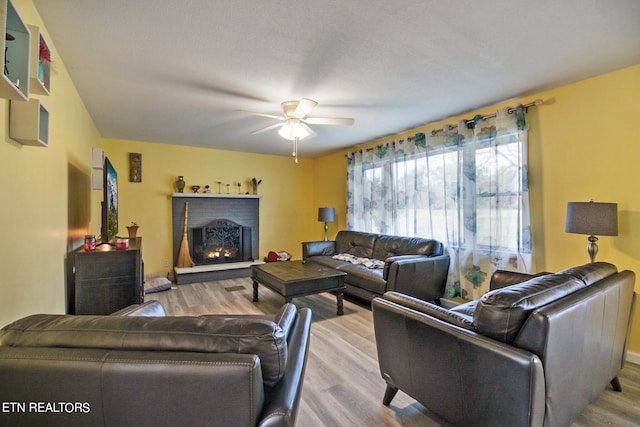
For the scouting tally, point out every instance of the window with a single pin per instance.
(464, 187)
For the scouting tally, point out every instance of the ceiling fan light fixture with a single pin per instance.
(294, 123)
(293, 129)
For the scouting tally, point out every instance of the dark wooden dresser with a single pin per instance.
(105, 280)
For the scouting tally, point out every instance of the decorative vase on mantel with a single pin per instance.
(180, 184)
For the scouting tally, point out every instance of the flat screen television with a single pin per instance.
(109, 228)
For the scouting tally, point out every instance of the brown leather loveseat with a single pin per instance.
(412, 265)
(534, 353)
(142, 368)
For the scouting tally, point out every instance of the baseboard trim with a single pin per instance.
(633, 357)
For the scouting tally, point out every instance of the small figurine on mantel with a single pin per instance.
(207, 189)
(254, 185)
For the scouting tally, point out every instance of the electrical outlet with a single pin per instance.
(166, 263)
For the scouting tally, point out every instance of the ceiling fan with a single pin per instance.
(294, 124)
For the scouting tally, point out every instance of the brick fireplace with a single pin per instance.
(223, 233)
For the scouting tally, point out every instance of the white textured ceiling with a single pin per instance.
(176, 71)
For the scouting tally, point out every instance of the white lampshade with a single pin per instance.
(293, 129)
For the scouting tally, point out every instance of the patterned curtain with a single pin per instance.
(465, 185)
(382, 195)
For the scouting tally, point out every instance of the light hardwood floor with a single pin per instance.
(342, 385)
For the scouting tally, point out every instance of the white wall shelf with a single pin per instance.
(29, 123)
(40, 82)
(14, 54)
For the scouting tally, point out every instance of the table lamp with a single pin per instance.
(326, 215)
(592, 219)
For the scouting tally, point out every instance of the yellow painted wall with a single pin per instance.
(286, 206)
(582, 145)
(330, 175)
(34, 194)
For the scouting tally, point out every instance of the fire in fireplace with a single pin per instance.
(220, 253)
(221, 240)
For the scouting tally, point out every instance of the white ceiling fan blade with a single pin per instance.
(253, 113)
(311, 132)
(304, 107)
(277, 125)
(340, 121)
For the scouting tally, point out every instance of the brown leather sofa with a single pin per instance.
(412, 265)
(142, 368)
(527, 354)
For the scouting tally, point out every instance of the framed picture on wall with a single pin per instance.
(135, 167)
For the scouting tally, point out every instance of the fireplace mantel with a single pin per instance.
(215, 195)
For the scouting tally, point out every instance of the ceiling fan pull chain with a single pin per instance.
(295, 149)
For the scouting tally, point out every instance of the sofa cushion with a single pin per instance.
(365, 278)
(504, 278)
(328, 261)
(501, 313)
(189, 334)
(355, 243)
(467, 309)
(592, 272)
(286, 317)
(387, 246)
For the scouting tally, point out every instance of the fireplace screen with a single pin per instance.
(221, 240)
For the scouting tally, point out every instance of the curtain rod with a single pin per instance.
(509, 110)
(535, 103)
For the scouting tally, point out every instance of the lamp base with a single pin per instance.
(592, 248)
(326, 230)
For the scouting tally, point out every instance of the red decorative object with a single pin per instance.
(90, 242)
(45, 55)
(122, 243)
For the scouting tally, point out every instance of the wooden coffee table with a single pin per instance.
(292, 279)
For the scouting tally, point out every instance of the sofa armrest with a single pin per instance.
(151, 308)
(319, 248)
(389, 262)
(421, 277)
(441, 363)
(282, 400)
